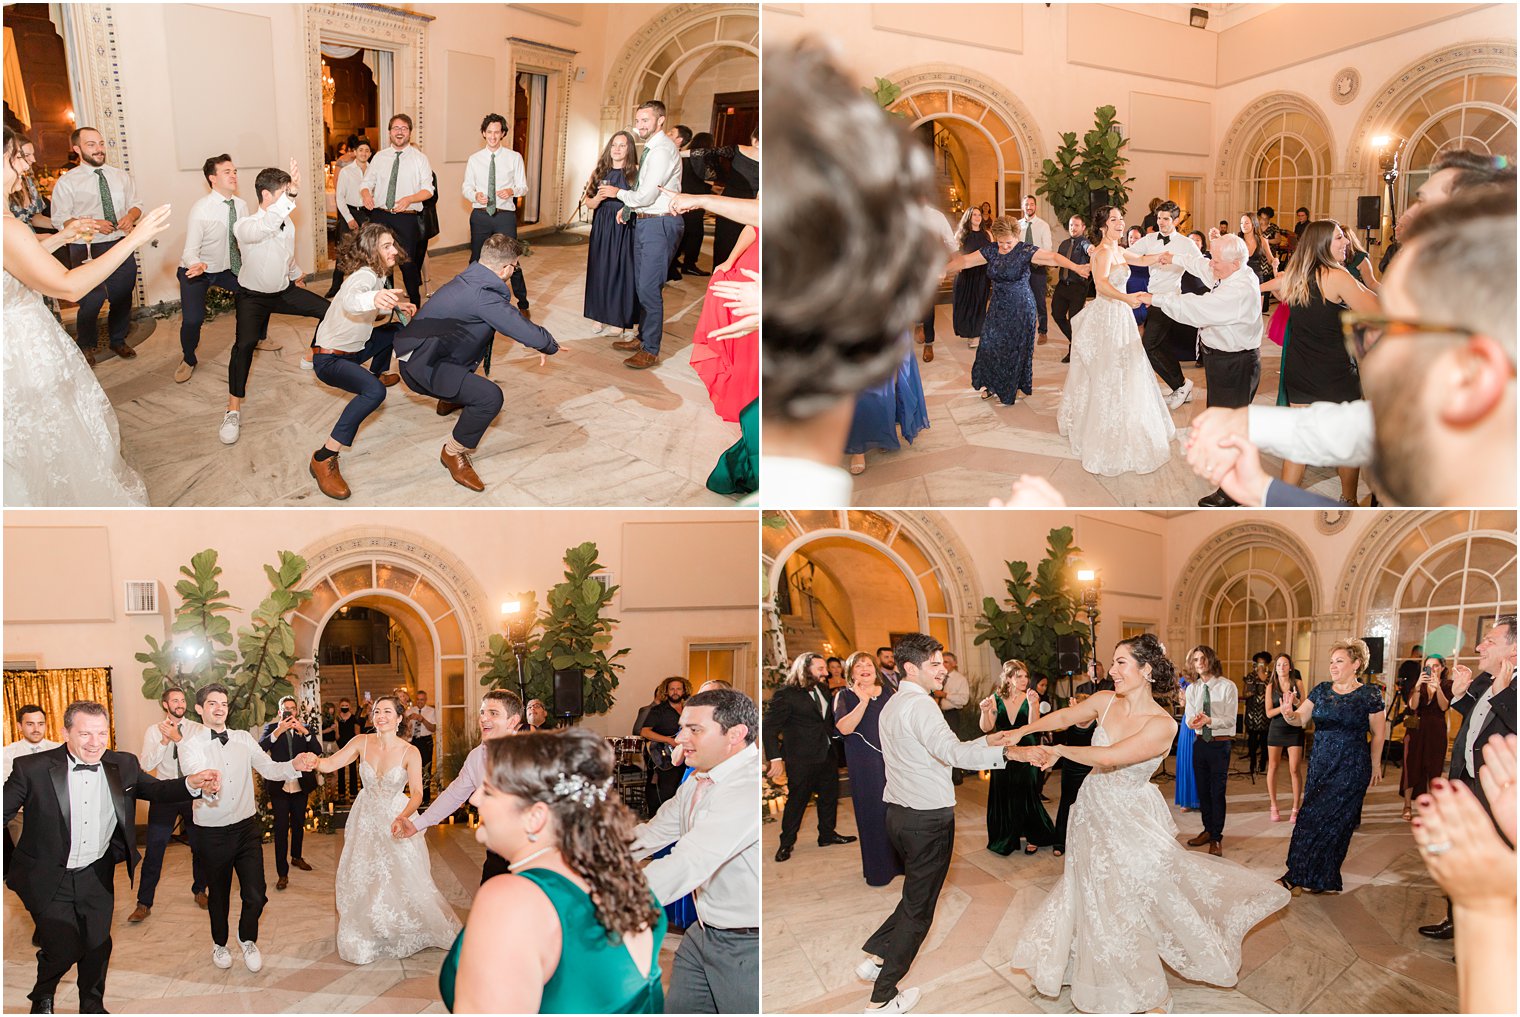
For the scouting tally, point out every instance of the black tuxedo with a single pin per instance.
(797, 731)
(289, 806)
(1500, 721)
(72, 907)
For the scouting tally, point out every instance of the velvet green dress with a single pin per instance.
(1013, 801)
(595, 974)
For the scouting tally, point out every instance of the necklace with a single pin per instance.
(518, 865)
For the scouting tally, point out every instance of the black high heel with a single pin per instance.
(1030, 849)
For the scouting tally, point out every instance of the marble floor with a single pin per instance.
(580, 430)
(163, 965)
(1353, 952)
(975, 448)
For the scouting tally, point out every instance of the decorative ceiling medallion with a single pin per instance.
(1347, 83)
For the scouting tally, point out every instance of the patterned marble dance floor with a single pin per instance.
(580, 430)
(1355, 952)
(164, 964)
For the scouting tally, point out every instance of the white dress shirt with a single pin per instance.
(236, 762)
(1320, 434)
(1039, 232)
(1228, 317)
(346, 191)
(22, 747)
(416, 174)
(957, 691)
(659, 166)
(267, 242)
(919, 750)
(1475, 722)
(163, 759)
(1168, 278)
(458, 792)
(207, 235)
(92, 814)
(510, 172)
(351, 314)
(803, 483)
(1224, 699)
(714, 824)
(76, 195)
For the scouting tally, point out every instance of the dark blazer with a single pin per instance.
(1280, 495)
(795, 731)
(40, 785)
(287, 748)
(429, 215)
(1501, 721)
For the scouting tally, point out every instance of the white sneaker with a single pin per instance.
(867, 970)
(1181, 395)
(599, 329)
(251, 955)
(232, 424)
(307, 365)
(905, 1000)
(220, 957)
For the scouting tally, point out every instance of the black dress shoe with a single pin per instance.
(1217, 500)
(835, 838)
(43, 1005)
(693, 270)
(1441, 930)
(783, 853)
(1066, 359)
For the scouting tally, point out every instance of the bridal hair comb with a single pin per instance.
(578, 788)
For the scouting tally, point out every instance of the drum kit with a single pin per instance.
(631, 771)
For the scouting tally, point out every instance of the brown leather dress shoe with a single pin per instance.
(629, 345)
(143, 911)
(1200, 840)
(329, 481)
(641, 360)
(124, 351)
(282, 883)
(203, 900)
(300, 863)
(928, 352)
(89, 357)
(1215, 848)
(445, 407)
(462, 470)
(389, 378)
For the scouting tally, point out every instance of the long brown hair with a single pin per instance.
(571, 771)
(604, 164)
(1005, 680)
(361, 249)
(1310, 257)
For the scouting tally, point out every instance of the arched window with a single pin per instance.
(1474, 111)
(1290, 168)
(1257, 599)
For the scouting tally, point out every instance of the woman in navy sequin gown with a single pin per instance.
(1341, 768)
(1004, 364)
(857, 713)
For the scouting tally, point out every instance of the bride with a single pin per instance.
(1131, 897)
(1111, 410)
(62, 446)
(387, 903)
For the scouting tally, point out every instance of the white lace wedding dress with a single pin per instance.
(388, 906)
(1112, 411)
(62, 446)
(1132, 898)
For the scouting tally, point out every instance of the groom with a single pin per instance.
(81, 803)
(1165, 280)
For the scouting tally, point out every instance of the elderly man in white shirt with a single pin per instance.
(398, 180)
(160, 753)
(919, 750)
(494, 178)
(270, 282)
(1228, 319)
(1166, 279)
(210, 257)
(656, 231)
(101, 201)
(713, 829)
(1034, 230)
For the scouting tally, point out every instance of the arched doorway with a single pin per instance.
(1276, 152)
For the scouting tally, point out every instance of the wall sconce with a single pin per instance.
(1198, 17)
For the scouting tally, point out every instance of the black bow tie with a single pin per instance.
(92, 767)
(220, 736)
(1166, 238)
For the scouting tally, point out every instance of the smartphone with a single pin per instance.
(368, 697)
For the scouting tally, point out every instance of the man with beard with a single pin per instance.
(661, 726)
(1070, 294)
(798, 722)
(160, 753)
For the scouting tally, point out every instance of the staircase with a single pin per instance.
(802, 635)
(376, 679)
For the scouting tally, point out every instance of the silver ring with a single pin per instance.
(1438, 849)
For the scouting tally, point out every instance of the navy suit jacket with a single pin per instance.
(451, 333)
(1280, 495)
(1501, 721)
(287, 748)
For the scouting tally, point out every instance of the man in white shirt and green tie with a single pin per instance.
(211, 256)
(399, 179)
(494, 178)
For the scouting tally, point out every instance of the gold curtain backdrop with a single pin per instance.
(54, 689)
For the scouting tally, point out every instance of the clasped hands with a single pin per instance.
(402, 827)
(741, 298)
(206, 781)
(1043, 756)
(1219, 450)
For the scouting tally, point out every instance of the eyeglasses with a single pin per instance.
(1363, 331)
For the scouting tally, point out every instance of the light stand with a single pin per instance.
(1388, 162)
(517, 635)
(1092, 590)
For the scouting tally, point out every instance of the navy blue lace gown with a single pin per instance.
(1340, 768)
(868, 787)
(1004, 361)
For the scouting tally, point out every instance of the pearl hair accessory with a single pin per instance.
(578, 788)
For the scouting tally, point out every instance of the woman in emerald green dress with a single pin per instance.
(574, 927)
(1013, 801)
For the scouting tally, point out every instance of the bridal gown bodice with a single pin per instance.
(388, 905)
(62, 446)
(1112, 411)
(1131, 898)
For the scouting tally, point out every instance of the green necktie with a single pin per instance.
(491, 187)
(1207, 731)
(1028, 232)
(390, 193)
(234, 255)
(107, 210)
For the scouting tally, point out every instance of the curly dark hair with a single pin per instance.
(593, 838)
(604, 164)
(1147, 649)
(1097, 231)
(361, 249)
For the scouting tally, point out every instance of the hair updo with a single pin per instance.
(1147, 649)
(1099, 226)
(1356, 649)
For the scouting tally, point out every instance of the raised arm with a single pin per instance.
(1300, 715)
(961, 262)
(987, 719)
(1060, 720)
(1153, 738)
(28, 261)
(846, 723)
(268, 768)
(1144, 260)
(1048, 258)
(338, 760)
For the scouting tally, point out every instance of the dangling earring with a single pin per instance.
(532, 837)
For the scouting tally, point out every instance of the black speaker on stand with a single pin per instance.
(1369, 216)
(1374, 654)
(569, 694)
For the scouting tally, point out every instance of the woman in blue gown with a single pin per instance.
(1341, 768)
(881, 410)
(1004, 364)
(610, 298)
(1186, 795)
(857, 713)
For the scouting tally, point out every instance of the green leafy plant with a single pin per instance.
(885, 93)
(1041, 606)
(1069, 180)
(200, 621)
(267, 647)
